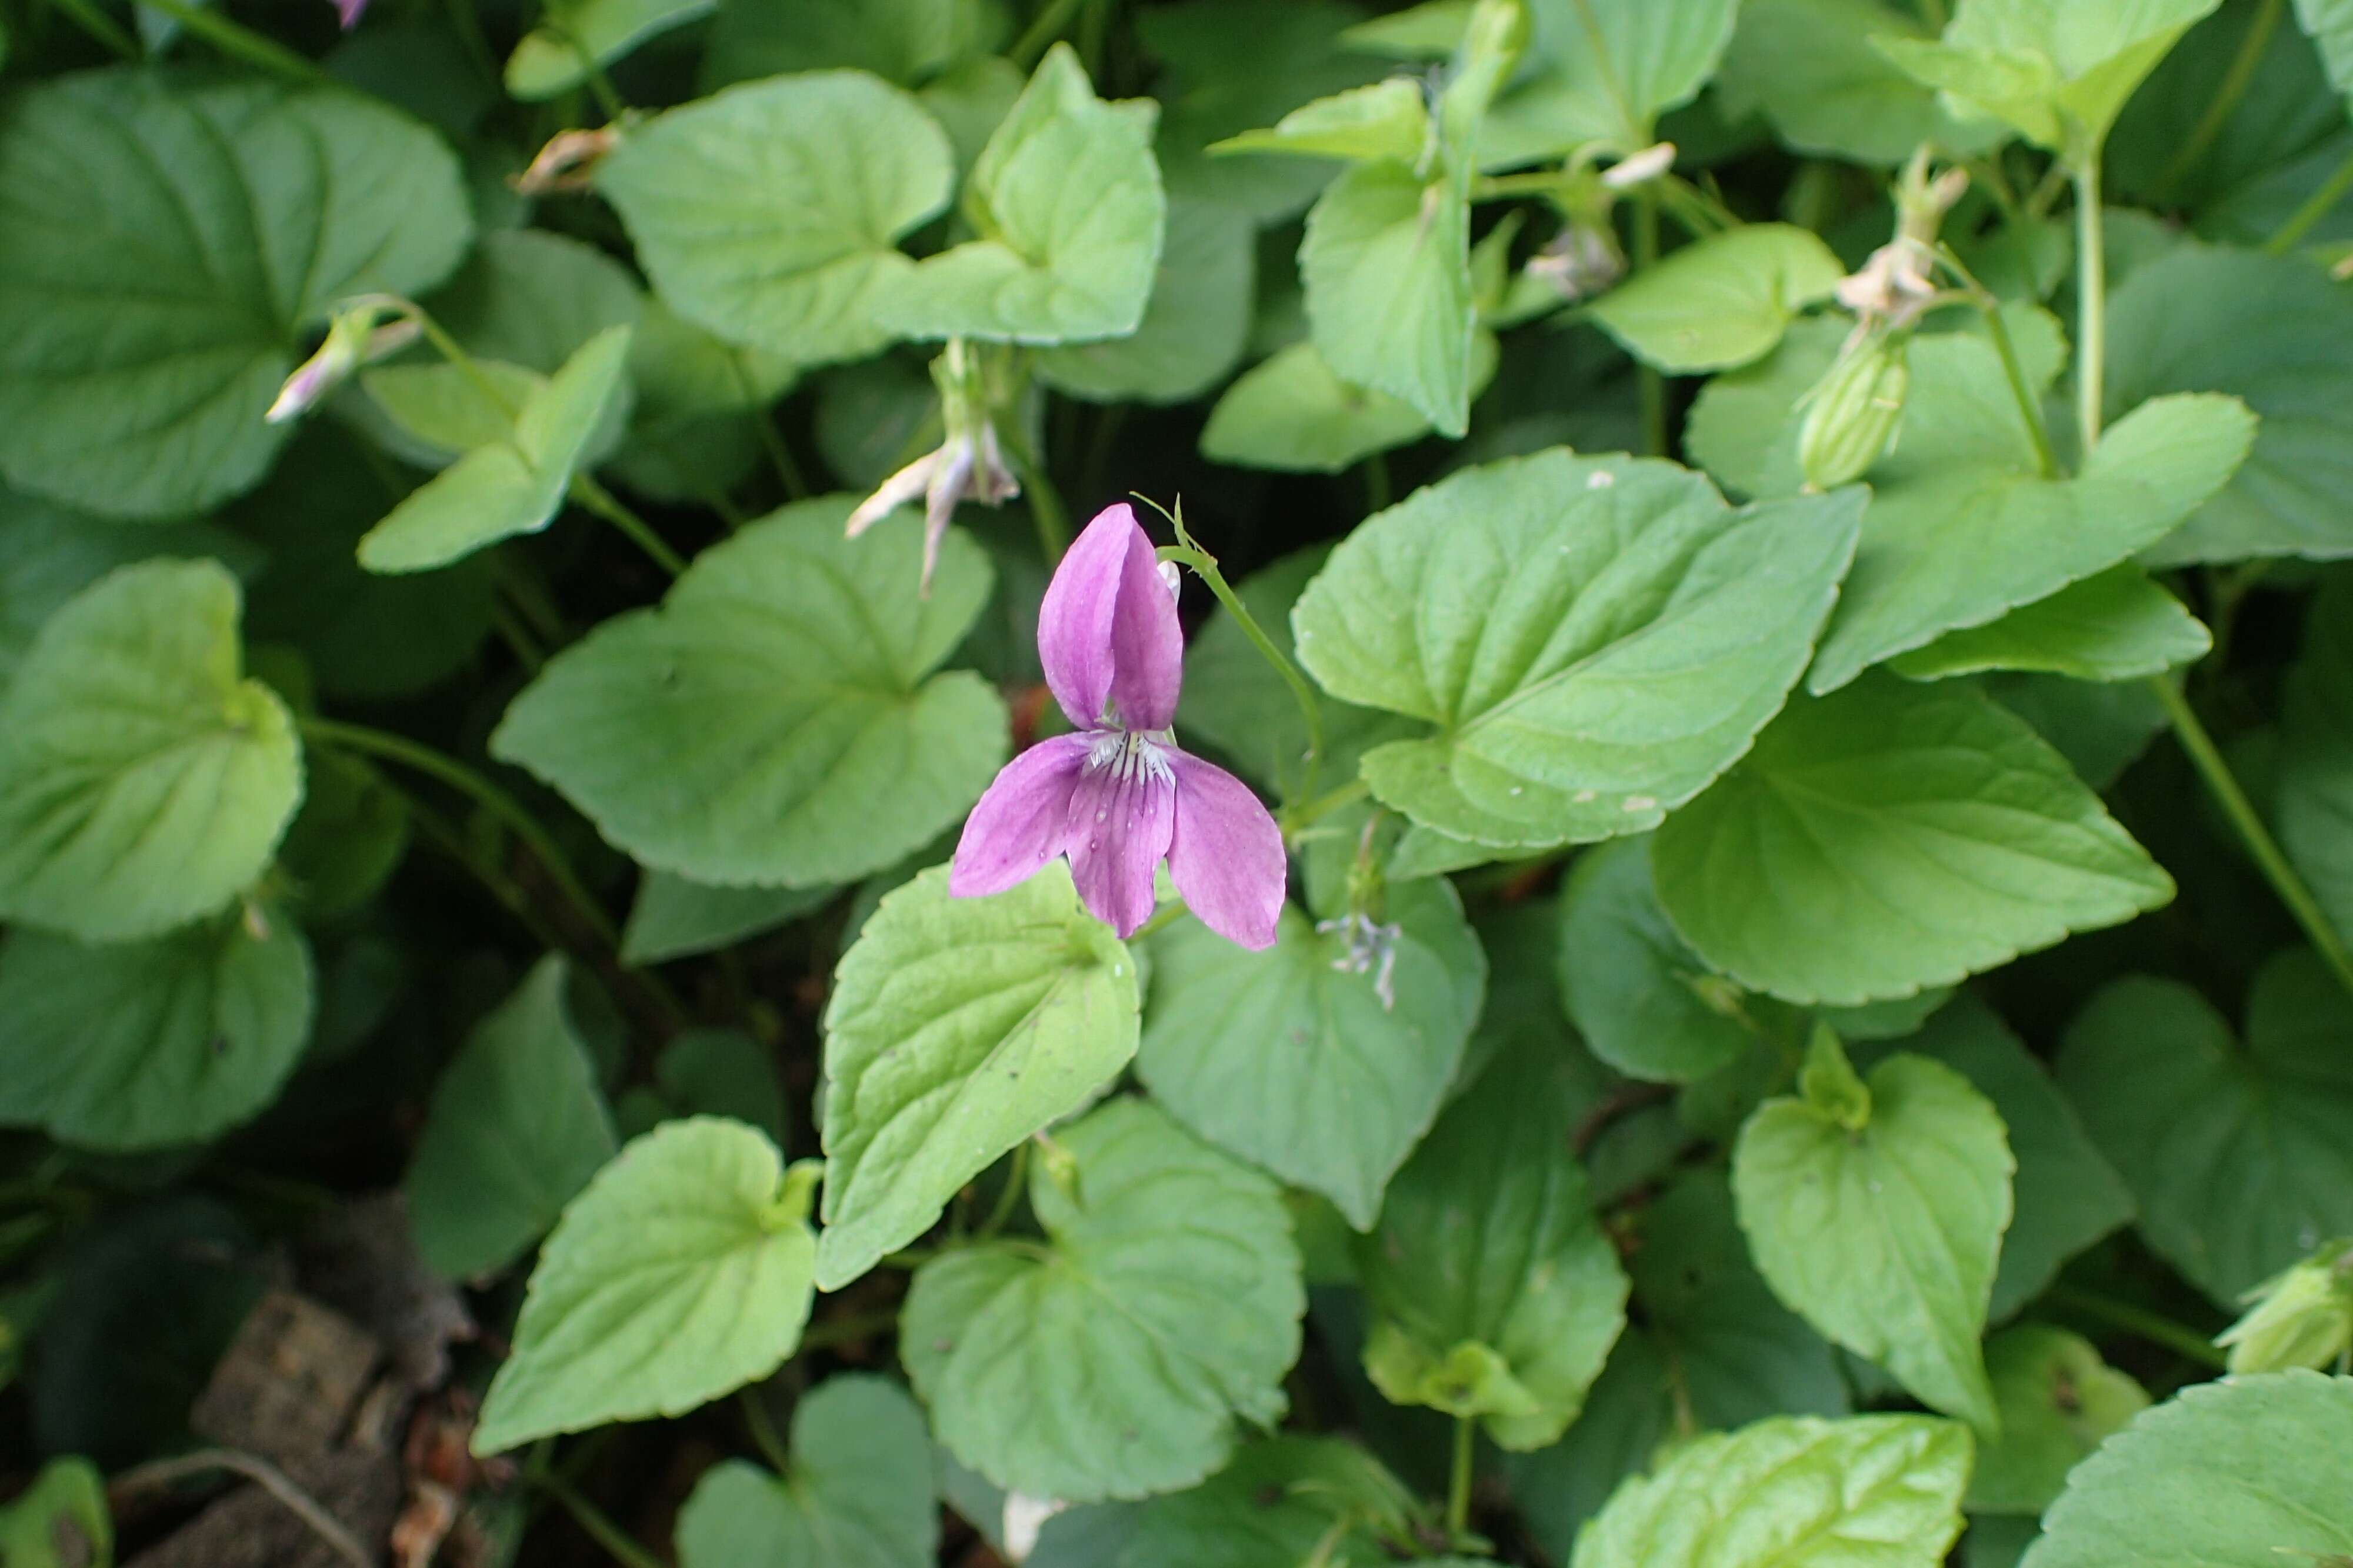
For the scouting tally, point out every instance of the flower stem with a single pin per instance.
(424, 760)
(101, 27)
(242, 43)
(1166, 915)
(2268, 859)
(2316, 207)
(618, 1542)
(1652, 384)
(2233, 88)
(607, 505)
(1186, 553)
(1046, 508)
(2029, 410)
(1042, 31)
(2156, 1328)
(2091, 297)
(1458, 1481)
(763, 1428)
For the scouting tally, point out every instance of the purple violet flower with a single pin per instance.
(348, 11)
(1117, 795)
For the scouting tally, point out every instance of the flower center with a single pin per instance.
(1130, 755)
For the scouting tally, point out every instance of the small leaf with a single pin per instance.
(513, 485)
(2058, 1401)
(723, 1072)
(2248, 1472)
(143, 784)
(1891, 836)
(1296, 1063)
(1885, 1236)
(681, 1273)
(152, 1044)
(1811, 66)
(1067, 199)
(1642, 1001)
(515, 1128)
(169, 239)
(61, 1520)
(769, 213)
(1194, 328)
(859, 1494)
(2241, 1158)
(785, 683)
(1386, 120)
(1290, 412)
(1879, 1489)
(2115, 625)
(578, 38)
(1117, 1361)
(957, 1029)
(1721, 301)
(1387, 264)
(1487, 1241)
(1277, 1503)
(673, 917)
(1595, 638)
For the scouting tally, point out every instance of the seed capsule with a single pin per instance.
(1852, 414)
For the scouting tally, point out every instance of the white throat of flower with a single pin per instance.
(1132, 754)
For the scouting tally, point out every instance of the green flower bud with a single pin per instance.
(1852, 414)
(2300, 1318)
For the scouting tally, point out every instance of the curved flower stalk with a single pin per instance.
(1117, 795)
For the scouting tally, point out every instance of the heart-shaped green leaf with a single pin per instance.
(143, 783)
(1290, 412)
(957, 1029)
(1644, 1001)
(1193, 330)
(576, 39)
(785, 687)
(2058, 1401)
(2115, 625)
(1811, 66)
(859, 1494)
(1387, 264)
(1721, 301)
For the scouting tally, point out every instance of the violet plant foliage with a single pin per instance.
(1753, 965)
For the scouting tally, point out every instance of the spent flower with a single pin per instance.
(1117, 795)
(968, 466)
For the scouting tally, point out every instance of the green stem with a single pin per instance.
(772, 440)
(1046, 508)
(2233, 88)
(1166, 915)
(241, 43)
(424, 760)
(509, 893)
(2091, 298)
(1323, 804)
(2030, 411)
(1042, 31)
(762, 1429)
(1458, 1481)
(1009, 1196)
(2316, 207)
(2268, 859)
(2150, 1325)
(1186, 553)
(600, 86)
(467, 25)
(617, 1541)
(855, 1326)
(607, 505)
(101, 27)
(1653, 385)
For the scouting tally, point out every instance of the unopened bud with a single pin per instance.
(567, 162)
(1853, 412)
(353, 339)
(2303, 1317)
(1641, 168)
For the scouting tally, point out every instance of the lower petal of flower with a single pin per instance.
(1225, 852)
(1020, 824)
(1122, 815)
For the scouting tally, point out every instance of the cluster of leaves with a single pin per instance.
(1681, 1118)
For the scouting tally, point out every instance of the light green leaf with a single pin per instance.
(1300, 1066)
(1596, 638)
(152, 1044)
(2115, 625)
(61, 1520)
(786, 685)
(1290, 413)
(1194, 328)
(1277, 1503)
(1885, 1236)
(1387, 264)
(1488, 1258)
(2314, 798)
(769, 213)
(2278, 334)
(1957, 548)
(516, 1127)
(957, 1029)
(1386, 120)
(2245, 1473)
(570, 39)
(1811, 66)
(1721, 301)
(681, 1273)
(2058, 1401)
(1642, 1001)
(1870, 1491)
(673, 917)
(2330, 23)
(2241, 1157)
(2058, 70)
(902, 41)
(2067, 1195)
(1164, 1309)
(1068, 202)
(1891, 836)
(143, 783)
(859, 1494)
(438, 412)
(167, 243)
(515, 485)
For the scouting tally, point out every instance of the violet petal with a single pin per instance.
(1107, 631)
(1225, 853)
(1122, 815)
(1020, 824)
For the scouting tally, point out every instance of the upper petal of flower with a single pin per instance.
(1225, 852)
(1021, 822)
(1122, 815)
(1107, 631)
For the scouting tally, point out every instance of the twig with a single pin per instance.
(263, 1473)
